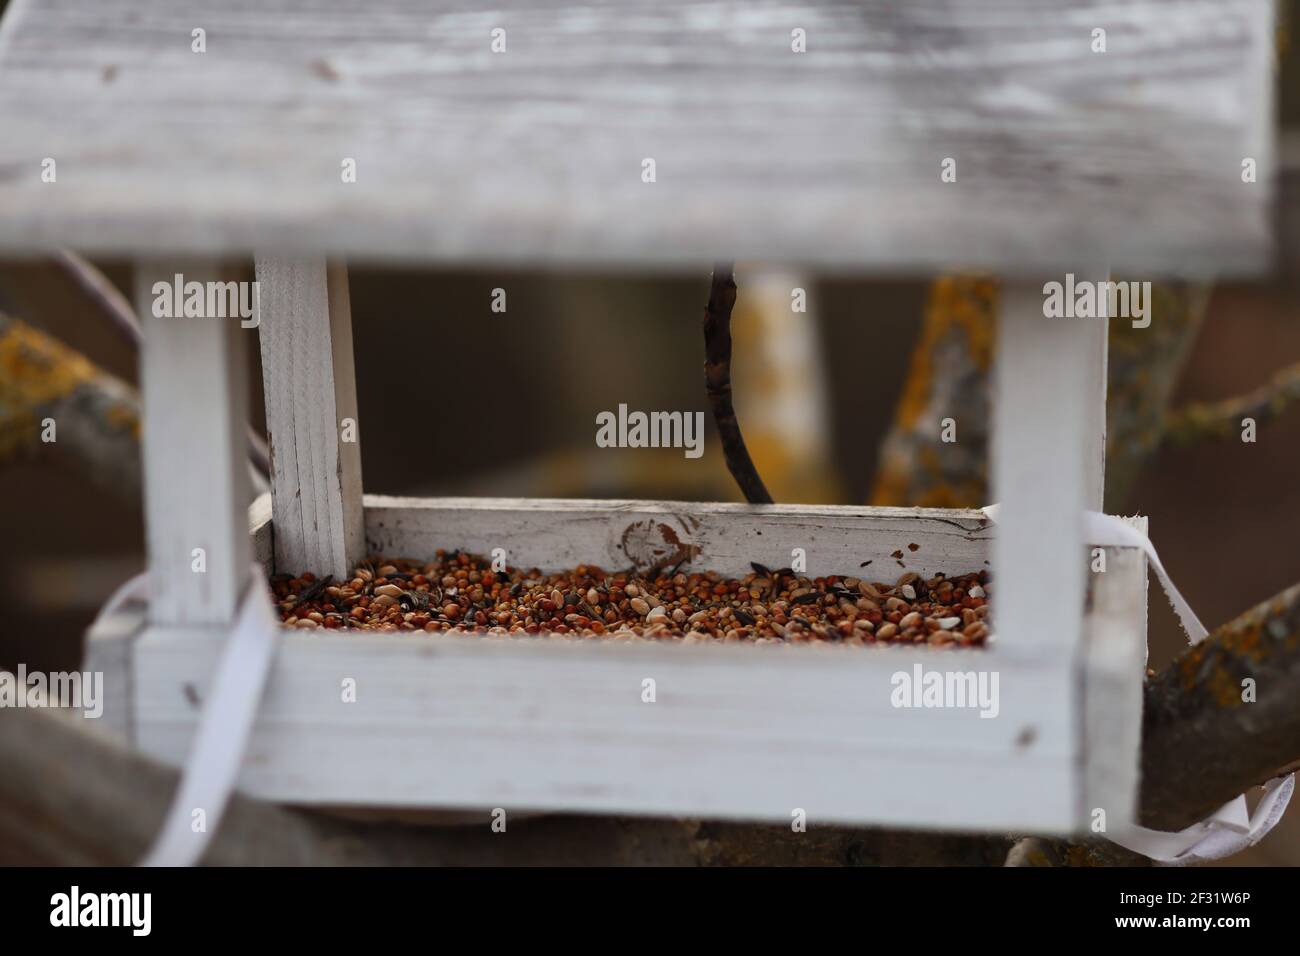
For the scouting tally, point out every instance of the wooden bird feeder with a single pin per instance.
(1067, 160)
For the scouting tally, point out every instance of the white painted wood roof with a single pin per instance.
(830, 157)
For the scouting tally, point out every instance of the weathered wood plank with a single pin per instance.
(262, 532)
(739, 732)
(556, 533)
(1095, 347)
(734, 732)
(1115, 648)
(305, 330)
(108, 651)
(108, 812)
(193, 375)
(831, 157)
(1045, 422)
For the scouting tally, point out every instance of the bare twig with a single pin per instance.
(1219, 420)
(717, 381)
(114, 306)
(107, 299)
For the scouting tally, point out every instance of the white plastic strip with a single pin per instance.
(1109, 531)
(1227, 831)
(222, 736)
(1231, 828)
(135, 589)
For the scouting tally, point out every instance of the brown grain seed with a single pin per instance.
(796, 609)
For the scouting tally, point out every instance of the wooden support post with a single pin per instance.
(1049, 449)
(311, 415)
(193, 375)
(1095, 351)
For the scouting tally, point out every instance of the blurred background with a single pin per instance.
(456, 399)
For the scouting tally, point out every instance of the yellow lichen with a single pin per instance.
(35, 370)
(964, 302)
(1209, 666)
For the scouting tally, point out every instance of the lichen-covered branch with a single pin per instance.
(1203, 739)
(1218, 720)
(54, 399)
(1144, 367)
(1046, 851)
(717, 383)
(1197, 421)
(950, 377)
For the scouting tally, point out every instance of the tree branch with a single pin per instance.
(96, 417)
(950, 376)
(1202, 744)
(1196, 421)
(717, 383)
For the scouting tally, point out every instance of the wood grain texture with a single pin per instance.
(305, 331)
(1115, 653)
(743, 732)
(735, 732)
(261, 532)
(557, 533)
(830, 157)
(1095, 346)
(1049, 380)
(109, 644)
(108, 811)
(193, 376)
